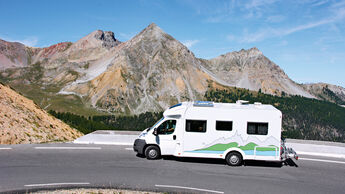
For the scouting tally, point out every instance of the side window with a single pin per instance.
(196, 126)
(257, 128)
(167, 127)
(224, 125)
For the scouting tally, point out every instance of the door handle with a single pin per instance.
(174, 137)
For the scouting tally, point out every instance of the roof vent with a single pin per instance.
(203, 103)
(242, 102)
(257, 103)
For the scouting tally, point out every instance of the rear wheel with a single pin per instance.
(234, 159)
(152, 153)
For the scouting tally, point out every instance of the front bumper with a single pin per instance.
(139, 145)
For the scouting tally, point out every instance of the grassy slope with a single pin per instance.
(29, 84)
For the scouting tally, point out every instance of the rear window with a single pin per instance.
(224, 125)
(196, 126)
(257, 128)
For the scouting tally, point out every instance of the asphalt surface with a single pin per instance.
(26, 168)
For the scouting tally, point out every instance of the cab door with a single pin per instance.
(166, 138)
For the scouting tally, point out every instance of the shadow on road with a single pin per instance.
(140, 156)
(255, 163)
(262, 163)
(290, 162)
(196, 160)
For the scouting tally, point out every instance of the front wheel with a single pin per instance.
(234, 159)
(152, 152)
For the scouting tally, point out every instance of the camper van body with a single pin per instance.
(213, 130)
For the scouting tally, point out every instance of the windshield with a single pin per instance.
(155, 124)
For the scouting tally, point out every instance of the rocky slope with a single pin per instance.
(250, 69)
(22, 121)
(13, 54)
(151, 71)
(327, 92)
(147, 73)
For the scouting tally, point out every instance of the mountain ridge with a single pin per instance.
(149, 72)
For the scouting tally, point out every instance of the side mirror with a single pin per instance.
(155, 132)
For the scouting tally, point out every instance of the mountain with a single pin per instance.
(13, 55)
(149, 72)
(99, 74)
(250, 69)
(22, 121)
(52, 68)
(327, 92)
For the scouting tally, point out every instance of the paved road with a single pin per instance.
(307, 147)
(28, 167)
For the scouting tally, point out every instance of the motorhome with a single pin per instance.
(231, 131)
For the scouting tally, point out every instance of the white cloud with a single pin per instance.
(303, 27)
(32, 41)
(230, 10)
(190, 43)
(268, 32)
(29, 41)
(318, 3)
(257, 8)
(258, 3)
(275, 18)
(339, 4)
(255, 37)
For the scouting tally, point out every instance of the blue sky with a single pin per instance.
(306, 38)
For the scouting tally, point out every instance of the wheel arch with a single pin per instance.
(147, 145)
(234, 150)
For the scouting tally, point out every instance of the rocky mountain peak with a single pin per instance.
(12, 54)
(252, 70)
(152, 41)
(252, 52)
(153, 26)
(107, 38)
(152, 31)
(98, 38)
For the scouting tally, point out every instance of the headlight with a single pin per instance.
(142, 134)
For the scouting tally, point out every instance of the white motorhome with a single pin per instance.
(231, 131)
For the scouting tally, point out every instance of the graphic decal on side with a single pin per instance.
(269, 147)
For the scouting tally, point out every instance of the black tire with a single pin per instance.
(152, 153)
(234, 159)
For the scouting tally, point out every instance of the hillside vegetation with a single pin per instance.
(303, 118)
(108, 122)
